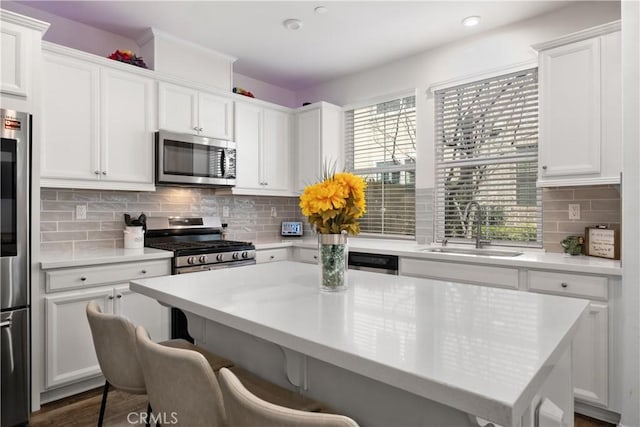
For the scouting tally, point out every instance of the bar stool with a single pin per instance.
(245, 409)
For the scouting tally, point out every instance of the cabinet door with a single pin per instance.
(276, 148)
(309, 148)
(13, 70)
(70, 355)
(611, 106)
(142, 311)
(70, 127)
(128, 103)
(590, 356)
(570, 110)
(248, 146)
(177, 108)
(215, 116)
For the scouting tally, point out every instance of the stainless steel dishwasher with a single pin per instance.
(377, 263)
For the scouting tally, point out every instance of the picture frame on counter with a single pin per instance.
(602, 242)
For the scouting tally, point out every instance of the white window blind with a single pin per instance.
(487, 151)
(380, 146)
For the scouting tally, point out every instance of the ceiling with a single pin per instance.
(349, 37)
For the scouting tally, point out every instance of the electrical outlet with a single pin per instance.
(225, 211)
(574, 211)
(274, 212)
(81, 211)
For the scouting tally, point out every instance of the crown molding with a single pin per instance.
(580, 35)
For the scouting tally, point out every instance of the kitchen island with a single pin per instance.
(389, 350)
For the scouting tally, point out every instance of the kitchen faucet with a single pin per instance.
(479, 240)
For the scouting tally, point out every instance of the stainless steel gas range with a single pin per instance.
(197, 245)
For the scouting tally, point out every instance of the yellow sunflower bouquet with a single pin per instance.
(334, 205)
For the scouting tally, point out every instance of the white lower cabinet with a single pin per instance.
(272, 255)
(458, 272)
(591, 344)
(69, 352)
(305, 255)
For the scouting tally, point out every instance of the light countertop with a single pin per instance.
(479, 349)
(537, 259)
(100, 256)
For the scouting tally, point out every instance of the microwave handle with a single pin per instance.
(224, 163)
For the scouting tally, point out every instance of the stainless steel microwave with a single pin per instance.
(183, 159)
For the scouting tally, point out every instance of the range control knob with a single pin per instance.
(245, 254)
(220, 257)
(236, 255)
(191, 260)
(203, 259)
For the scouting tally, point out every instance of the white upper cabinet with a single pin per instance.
(580, 109)
(97, 124)
(263, 150)
(320, 137)
(19, 47)
(186, 110)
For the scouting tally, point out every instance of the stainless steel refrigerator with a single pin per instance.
(15, 316)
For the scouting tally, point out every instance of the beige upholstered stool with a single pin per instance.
(182, 387)
(245, 409)
(114, 340)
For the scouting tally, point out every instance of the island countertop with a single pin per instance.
(479, 349)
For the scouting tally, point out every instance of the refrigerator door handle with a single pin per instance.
(5, 324)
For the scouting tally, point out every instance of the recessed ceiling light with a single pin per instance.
(471, 21)
(292, 24)
(321, 10)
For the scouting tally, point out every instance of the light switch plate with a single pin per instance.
(81, 211)
(574, 211)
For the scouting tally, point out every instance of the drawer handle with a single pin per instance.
(271, 257)
(564, 284)
(144, 272)
(315, 257)
(83, 278)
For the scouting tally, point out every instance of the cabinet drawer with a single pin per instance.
(305, 255)
(272, 255)
(577, 285)
(457, 272)
(71, 278)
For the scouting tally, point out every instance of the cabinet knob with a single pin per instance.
(200, 129)
(119, 296)
(110, 296)
(104, 172)
(144, 271)
(564, 284)
(544, 167)
(315, 257)
(83, 278)
(271, 257)
(96, 172)
(196, 128)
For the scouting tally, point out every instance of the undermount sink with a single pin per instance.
(473, 251)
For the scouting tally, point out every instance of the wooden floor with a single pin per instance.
(83, 409)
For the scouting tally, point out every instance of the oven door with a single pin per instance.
(190, 159)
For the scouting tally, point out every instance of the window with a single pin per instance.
(380, 142)
(487, 152)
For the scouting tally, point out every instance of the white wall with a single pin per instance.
(630, 209)
(502, 47)
(266, 92)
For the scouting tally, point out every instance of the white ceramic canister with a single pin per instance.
(133, 238)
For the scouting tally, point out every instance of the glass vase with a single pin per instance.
(333, 254)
